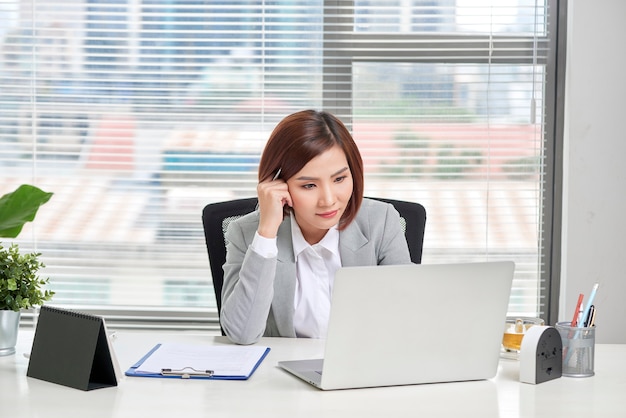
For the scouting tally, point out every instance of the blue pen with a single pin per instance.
(585, 316)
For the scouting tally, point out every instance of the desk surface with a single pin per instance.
(272, 392)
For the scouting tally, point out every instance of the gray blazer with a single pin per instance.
(258, 292)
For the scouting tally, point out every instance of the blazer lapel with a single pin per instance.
(352, 243)
(285, 281)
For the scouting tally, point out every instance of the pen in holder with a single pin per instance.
(578, 349)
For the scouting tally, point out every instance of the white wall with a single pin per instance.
(594, 222)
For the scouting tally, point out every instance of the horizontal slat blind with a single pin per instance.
(137, 113)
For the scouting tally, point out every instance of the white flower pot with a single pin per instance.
(9, 324)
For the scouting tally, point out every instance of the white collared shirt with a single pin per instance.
(315, 272)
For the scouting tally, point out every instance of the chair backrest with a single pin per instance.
(413, 219)
(217, 216)
(215, 219)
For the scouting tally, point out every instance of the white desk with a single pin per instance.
(272, 392)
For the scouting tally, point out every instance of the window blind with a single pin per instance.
(137, 113)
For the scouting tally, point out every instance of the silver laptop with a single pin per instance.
(412, 324)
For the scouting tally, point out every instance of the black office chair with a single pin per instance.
(217, 216)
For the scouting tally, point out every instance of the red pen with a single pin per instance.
(576, 312)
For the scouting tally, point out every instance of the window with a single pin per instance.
(137, 113)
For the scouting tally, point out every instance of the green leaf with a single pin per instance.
(20, 285)
(19, 207)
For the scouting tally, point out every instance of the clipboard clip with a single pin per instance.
(186, 372)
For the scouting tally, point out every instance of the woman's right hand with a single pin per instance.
(273, 196)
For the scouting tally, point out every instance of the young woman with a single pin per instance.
(312, 219)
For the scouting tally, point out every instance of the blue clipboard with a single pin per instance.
(183, 374)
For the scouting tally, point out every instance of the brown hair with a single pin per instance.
(302, 136)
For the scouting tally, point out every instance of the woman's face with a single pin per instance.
(320, 193)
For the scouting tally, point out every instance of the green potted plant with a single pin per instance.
(20, 286)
